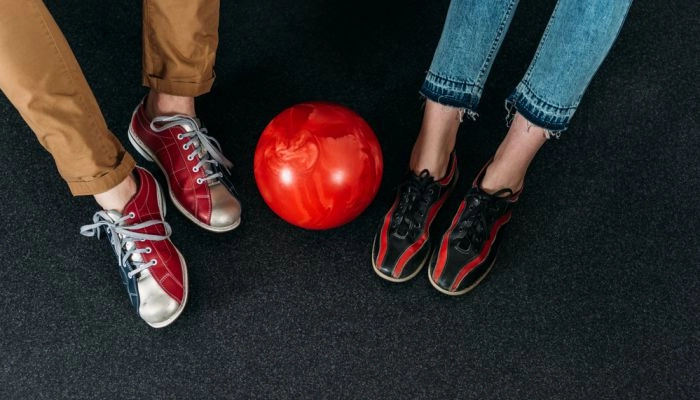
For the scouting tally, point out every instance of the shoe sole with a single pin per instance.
(398, 280)
(142, 149)
(185, 281)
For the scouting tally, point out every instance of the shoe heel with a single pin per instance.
(138, 146)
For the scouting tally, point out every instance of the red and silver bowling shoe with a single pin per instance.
(196, 171)
(151, 268)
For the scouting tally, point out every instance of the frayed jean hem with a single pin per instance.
(452, 93)
(553, 119)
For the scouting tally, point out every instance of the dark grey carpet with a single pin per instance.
(595, 294)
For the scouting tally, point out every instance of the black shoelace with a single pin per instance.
(473, 227)
(416, 195)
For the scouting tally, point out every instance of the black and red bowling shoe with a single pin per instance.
(468, 249)
(402, 246)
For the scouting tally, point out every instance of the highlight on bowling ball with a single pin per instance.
(318, 165)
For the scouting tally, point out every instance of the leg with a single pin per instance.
(117, 197)
(471, 37)
(513, 156)
(41, 77)
(472, 34)
(436, 139)
(574, 44)
(578, 37)
(179, 47)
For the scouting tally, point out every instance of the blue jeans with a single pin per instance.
(574, 44)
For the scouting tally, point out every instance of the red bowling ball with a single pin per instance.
(318, 165)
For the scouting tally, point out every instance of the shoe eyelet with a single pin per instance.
(132, 215)
(190, 157)
(185, 146)
(154, 262)
(179, 136)
(149, 250)
(195, 169)
(200, 181)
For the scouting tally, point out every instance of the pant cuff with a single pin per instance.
(185, 89)
(553, 119)
(452, 93)
(104, 182)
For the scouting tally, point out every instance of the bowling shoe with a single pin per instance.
(196, 171)
(151, 268)
(468, 249)
(401, 246)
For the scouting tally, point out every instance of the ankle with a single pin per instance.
(499, 175)
(436, 139)
(160, 104)
(435, 162)
(117, 197)
(513, 156)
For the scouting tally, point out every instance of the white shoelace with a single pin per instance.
(123, 236)
(204, 146)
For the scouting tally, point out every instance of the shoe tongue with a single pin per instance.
(190, 123)
(424, 178)
(113, 215)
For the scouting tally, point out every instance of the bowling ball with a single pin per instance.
(318, 165)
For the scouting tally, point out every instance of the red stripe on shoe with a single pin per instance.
(442, 254)
(484, 252)
(384, 233)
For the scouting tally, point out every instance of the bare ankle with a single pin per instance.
(436, 140)
(513, 157)
(117, 197)
(499, 176)
(159, 104)
(435, 163)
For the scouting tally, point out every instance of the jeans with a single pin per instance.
(42, 79)
(574, 44)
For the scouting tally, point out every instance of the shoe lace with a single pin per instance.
(473, 227)
(122, 238)
(206, 147)
(416, 195)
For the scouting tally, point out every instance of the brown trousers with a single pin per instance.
(42, 79)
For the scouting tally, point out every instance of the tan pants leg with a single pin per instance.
(179, 45)
(41, 77)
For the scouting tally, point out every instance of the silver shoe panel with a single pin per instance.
(225, 207)
(156, 305)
